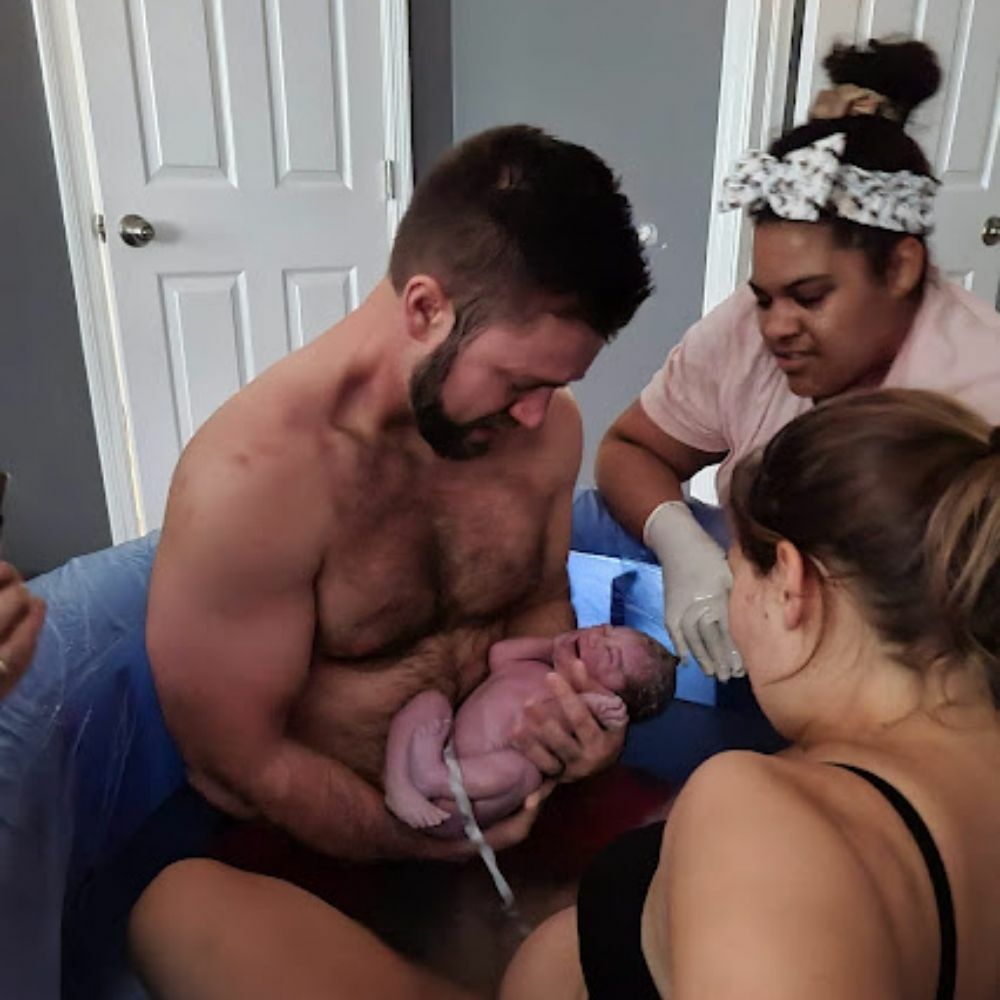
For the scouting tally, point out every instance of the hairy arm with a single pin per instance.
(760, 895)
(230, 631)
(639, 467)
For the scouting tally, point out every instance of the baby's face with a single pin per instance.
(613, 654)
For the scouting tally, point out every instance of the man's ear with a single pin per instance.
(906, 267)
(427, 312)
(791, 580)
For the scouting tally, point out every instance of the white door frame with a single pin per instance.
(756, 52)
(753, 89)
(76, 168)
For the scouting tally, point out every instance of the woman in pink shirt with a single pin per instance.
(842, 296)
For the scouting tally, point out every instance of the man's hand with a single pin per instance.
(570, 743)
(508, 832)
(21, 617)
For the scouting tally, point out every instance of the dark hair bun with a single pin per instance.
(907, 72)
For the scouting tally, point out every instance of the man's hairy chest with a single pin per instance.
(412, 558)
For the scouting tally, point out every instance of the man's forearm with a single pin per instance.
(330, 808)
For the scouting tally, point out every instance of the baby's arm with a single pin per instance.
(414, 758)
(526, 649)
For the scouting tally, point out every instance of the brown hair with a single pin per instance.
(648, 697)
(896, 491)
(513, 215)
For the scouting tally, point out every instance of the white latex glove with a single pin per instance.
(696, 585)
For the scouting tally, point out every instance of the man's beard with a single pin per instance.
(449, 439)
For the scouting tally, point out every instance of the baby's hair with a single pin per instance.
(649, 696)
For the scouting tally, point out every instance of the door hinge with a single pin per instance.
(99, 228)
(389, 177)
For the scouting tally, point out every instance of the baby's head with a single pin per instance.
(630, 663)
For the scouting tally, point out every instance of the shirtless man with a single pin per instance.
(368, 517)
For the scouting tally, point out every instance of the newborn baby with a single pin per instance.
(636, 671)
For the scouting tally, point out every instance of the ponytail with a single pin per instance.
(896, 492)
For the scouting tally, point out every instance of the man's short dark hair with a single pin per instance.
(514, 220)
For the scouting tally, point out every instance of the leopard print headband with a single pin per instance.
(809, 181)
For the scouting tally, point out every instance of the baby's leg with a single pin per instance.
(414, 764)
(499, 783)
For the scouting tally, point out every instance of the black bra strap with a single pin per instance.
(935, 867)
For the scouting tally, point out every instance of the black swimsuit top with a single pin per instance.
(613, 893)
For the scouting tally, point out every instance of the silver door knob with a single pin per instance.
(991, 231)
(135, 230)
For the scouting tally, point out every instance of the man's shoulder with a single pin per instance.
(250, 472)
(551, 453)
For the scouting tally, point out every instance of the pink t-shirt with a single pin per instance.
(720, 389)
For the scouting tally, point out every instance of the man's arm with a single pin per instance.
(639, 466)
(230, 631)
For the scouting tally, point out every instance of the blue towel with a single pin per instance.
(85, 757)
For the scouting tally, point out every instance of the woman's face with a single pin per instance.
(830, 324)
(748, 614)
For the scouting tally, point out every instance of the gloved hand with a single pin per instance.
(696, 585)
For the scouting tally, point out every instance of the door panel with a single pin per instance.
(251, 136)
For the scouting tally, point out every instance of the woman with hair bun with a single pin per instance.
(842, 296)
(864, 861)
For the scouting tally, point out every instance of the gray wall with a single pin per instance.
(55, 505)
(430, 81)
(637, 81)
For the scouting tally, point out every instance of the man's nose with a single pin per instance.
(529, 411)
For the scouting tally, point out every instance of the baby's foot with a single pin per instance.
(415, 811)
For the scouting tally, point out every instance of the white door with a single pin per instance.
(959, 129)
(252, 137)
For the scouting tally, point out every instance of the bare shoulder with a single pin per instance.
(759, 867)
(774, 814)
(250, 486)
(560, 439)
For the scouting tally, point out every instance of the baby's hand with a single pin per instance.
(609, 709)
